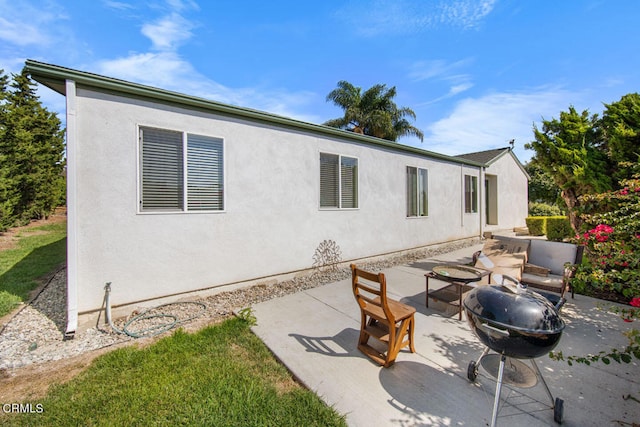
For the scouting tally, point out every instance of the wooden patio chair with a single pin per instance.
(387, 320)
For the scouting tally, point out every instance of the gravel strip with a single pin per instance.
(36, 333)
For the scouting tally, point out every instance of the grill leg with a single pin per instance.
(546, 387)
(496, 400)
(484, 353)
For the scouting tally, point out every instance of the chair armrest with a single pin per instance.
(474, 258)
(568, 274)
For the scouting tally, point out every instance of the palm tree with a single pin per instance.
(372, 112)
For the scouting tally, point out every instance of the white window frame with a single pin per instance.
(421, 194)
(471, 194)
(184, 180)
(339, 182)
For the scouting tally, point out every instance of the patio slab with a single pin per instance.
(314, 333)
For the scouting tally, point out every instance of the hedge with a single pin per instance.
(536, 225)
(556, 228)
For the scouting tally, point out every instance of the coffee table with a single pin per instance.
(460, 279)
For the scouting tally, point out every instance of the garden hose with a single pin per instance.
(172, 320)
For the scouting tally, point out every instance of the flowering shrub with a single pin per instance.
(612, 242)
(628, 314)
(612, 249)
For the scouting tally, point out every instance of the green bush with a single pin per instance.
(536, 225)
(543, 209)
(559, 228)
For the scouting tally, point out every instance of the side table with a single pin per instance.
(460, 279)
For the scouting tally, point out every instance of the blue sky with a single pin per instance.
(478, 73)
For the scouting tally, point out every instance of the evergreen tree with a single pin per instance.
(621, 125)
(31, 155)
(585, 154)
(570, 149)
(542, 187)
(8, 194)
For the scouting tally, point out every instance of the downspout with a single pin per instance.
(72, 214)
(462, 198)
(483, 202)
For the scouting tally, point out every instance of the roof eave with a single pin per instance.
(54, 77)
(515, 158)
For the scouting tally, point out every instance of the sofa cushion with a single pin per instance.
(536, 269)
(551, 282)
(552, 255)
(503, 257)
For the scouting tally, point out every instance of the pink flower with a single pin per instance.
(603, 228)
(624, 191)
(635, 302)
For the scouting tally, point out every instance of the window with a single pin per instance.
(180, 172)
(470, 194)
(417, 192)
(338, 181)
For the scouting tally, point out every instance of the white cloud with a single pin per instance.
(151, 68)
(33, 28)
(118, 5)
(411, 16)
(489, 122)
(180, 5)
(164, 67)
(169, 32)
(456, 89)
(464, 13)
(436, 68)
(23, 24)
(167, 70)
(443, 71)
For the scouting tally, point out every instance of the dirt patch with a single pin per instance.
(32, 382)
(9, 238)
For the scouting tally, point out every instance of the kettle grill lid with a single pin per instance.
(525, 311)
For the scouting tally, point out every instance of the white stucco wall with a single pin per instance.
(272, 222)
(513, 190)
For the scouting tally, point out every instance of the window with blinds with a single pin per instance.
(470, 194)
(180, 172)
(162, 171)
(417, 192)
(338, 181)
(204, 174)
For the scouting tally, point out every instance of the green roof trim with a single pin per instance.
(55, 76)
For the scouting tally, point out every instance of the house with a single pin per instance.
(170, 194)
(499, 172)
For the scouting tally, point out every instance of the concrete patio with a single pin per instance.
(314, 333)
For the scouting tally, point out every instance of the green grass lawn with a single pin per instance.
(39, 251)
(222, 375)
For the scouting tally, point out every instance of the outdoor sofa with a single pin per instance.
(545, 265)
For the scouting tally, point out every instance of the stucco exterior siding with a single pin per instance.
(272, 222)
(513, 188)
